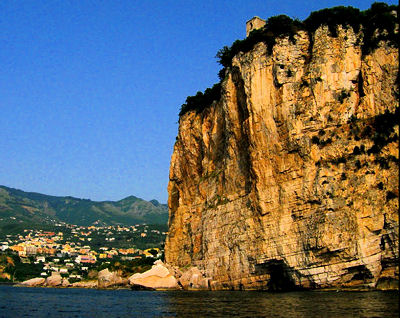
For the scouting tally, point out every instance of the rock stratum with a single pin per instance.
(290, 179)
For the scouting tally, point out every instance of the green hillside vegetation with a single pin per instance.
(12, 267)
(19, 208)
(377, 24)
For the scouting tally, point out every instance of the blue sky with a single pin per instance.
(90, 90)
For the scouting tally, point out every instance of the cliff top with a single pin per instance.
(378, 23)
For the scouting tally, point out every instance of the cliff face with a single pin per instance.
(291, 178)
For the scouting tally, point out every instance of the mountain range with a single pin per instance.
(17, 206)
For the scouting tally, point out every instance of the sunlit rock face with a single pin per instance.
(290, 180)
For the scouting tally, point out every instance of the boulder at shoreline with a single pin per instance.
(193, 279)
(34, 282)
(54, 280)
(107, 279)
(158, 277)
(85, 284)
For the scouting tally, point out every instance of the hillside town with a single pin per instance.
(73, 251)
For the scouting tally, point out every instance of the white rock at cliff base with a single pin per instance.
(38, 281)
(158, 277)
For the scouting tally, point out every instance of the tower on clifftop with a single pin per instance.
(253, 24)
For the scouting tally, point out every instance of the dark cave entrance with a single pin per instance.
(360, 272)
(280, 276)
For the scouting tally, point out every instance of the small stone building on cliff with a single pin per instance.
(254, 24)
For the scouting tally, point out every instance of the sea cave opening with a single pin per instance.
(280, 276)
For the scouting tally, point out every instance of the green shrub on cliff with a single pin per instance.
(332, 17)
(201, 100)
(382, 131)
(379, 24)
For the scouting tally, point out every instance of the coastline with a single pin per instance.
(8, 283)
(132, 288)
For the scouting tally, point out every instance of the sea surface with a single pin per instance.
(52, 302)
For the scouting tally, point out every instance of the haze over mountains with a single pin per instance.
(17, 206)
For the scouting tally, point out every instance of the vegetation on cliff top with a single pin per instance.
(377, 24)
(201, 100)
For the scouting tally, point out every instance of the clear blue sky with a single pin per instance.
(90, 90)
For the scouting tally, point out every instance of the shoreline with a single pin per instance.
(337, 290)
(8, 283)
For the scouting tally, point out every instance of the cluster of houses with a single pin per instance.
(70, 253)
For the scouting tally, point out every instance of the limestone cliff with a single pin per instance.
(290, 179)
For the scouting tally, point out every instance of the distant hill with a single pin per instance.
(19, 207)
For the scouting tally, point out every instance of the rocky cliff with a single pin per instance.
(290, 179)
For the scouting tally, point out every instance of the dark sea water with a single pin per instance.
(52, 302)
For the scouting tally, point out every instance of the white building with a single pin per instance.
(41, 259)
